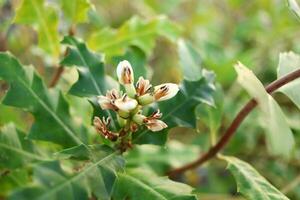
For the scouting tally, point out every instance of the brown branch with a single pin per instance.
(59, 71)
(234, 126)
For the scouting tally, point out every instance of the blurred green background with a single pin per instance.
(224, 31)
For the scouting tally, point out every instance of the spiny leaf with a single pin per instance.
(51, 111)
(75, 11)
(137, 184)
(180, 110)
(289, 62)
(190, 61)
(92, 80)
(52, 182)
(280, 138)
(134, 32)
(250, 183)
(44, 19)
(15, 150)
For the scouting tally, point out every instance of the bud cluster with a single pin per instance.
(129, 105)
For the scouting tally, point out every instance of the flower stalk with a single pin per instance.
(129, 105)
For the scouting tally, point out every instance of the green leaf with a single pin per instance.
(294, 6)
(190, 61)
(44, 19)
(250, 183)
(92, 80)
(180, 110)
(75, 11)
(51, 111)
(52, 182)
(280, 138)
(135, 32)
(289, 62)
(211, 116)
(161, 159)
(137, 184)
(15, 150)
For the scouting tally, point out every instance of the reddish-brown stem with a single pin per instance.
(60, 69)
(234, 126)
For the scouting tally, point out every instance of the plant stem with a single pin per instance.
(213, 151)
(59, 71)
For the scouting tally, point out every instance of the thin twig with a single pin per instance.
(59, 71)
(289, 187)
(234, 126)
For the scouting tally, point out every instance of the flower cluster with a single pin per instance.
(128, 106)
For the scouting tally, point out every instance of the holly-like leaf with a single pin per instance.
(15, 150)
(211, 116)
(96, 178)
(137, 184)
(280, 138)
(135, 32)
(289, 62)
(75, 11)
(92, 80)
(44, 19)
(190, 61)
(180, 110)
(51, 111)
(250, 183)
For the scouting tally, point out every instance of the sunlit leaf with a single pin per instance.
(294, 6)
(134, 32)
(139, 184)
(280, 138)
(250, 183)
(50, 109)
(75, 11)
(190, 61)
(52, 182)
(289, 62)
(44, 19)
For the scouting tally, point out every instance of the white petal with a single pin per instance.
(159, 93)
(104, 102)
(120, 70)
(126, 105)
(156, 125)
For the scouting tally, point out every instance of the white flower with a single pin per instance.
(126, 104)
(155, 124)
(125, 72)
(107, 102)
(165, 91)
(102, 127)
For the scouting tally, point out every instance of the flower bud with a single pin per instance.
(139, 119)
(125, 72)
(145, 99)
(165, 91)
